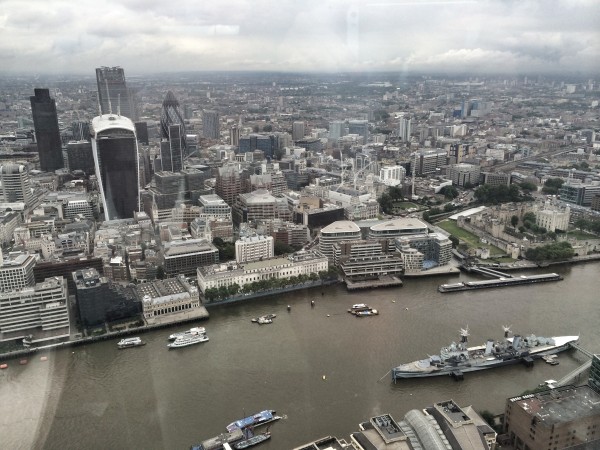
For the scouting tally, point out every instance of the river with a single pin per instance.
(322, 368)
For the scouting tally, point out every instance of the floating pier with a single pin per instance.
(501, 282)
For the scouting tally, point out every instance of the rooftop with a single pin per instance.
(341, 226)
(108, 121)
(561, 405)
(401, 223)
(173, 249)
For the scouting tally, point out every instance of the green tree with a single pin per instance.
(514, 221)
(233, 289)
(223, 292)
(552, 186)
(281, 248)
(268, 128)
(455, 241)
(450, 192)
(527, 186)
(550, 252)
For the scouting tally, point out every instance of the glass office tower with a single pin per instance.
(47, 134)
(116, 157)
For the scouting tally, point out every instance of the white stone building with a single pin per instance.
(553, 217)
(254, 248)
(301, 263)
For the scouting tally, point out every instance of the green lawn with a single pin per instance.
(581, 235)
(467, 237)
(406, 205)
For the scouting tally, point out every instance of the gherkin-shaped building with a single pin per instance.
(170, 115)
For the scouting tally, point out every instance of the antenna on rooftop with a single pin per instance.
(108, 96)
(99, 106)
(119, 105)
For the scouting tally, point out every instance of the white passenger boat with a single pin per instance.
(190, 332)
(184, 341)
(130, 342)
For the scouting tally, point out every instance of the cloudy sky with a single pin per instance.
(149, 36)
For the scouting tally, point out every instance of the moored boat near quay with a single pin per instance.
(130, 342)
(457, 358)
(261, 418)
(251, 441)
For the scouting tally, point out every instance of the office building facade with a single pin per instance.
(298, 131)
(80, 157)
(116, 160)
(172, 150)
(210, 124)
(404, 129)
(560, 418)
(113, 94)
(170, 115)
(254, 248)
(16, 184)
(360, 127)
(98, 301)
(47, 133)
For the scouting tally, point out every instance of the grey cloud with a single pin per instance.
(312, 35)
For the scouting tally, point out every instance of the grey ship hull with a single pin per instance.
(411, 370)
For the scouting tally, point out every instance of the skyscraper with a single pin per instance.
(336, 129)
(47, 134)
(141, 131)
(405, 129)
(360, 127)
(210, 124)
(171, 151)
(298, 131)
(170, 115)
(113, 94)
(115, 150)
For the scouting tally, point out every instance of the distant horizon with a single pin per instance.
(130, 75)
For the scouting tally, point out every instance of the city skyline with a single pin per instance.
(405, 36)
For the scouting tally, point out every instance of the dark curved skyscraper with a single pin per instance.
(115, 150)
(170, 115)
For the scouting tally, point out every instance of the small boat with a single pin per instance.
(191, 331)
(369, 312)
(130, 342)
(262, 320)
(358, 307)
(362, 309)
(254, 440)
(43, 358)
(184, 341)
(261, 418)
(551, 359)
(23, 362)
(3, 366)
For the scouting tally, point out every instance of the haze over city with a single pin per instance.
(150, 36)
